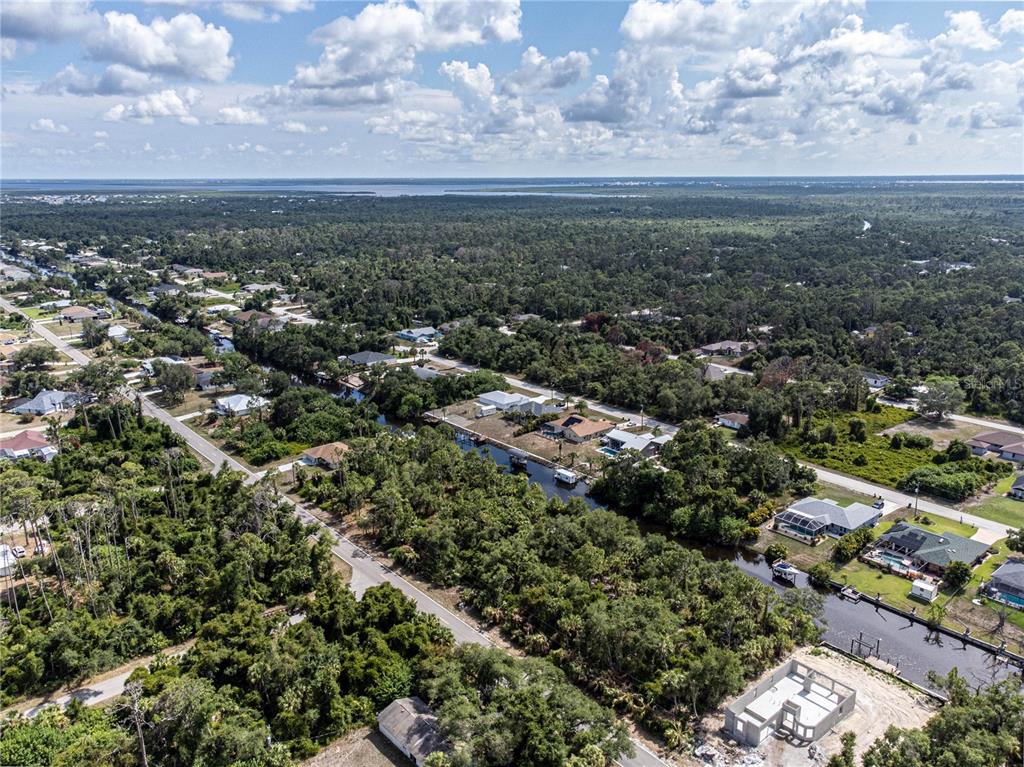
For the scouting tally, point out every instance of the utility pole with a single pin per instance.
(917, 493)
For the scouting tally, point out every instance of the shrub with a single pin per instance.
(917, 440)
(860, 460)
(957, 575)
(852, 544)
(775, 552)
(820, 574)
(896, 441)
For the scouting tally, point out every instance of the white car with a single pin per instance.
(18, 551)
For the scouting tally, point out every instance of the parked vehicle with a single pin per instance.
(18, 551)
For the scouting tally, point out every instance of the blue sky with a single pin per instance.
(285, 88)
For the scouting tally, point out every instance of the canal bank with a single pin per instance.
(860, 628)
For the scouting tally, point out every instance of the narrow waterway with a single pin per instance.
(910, 646)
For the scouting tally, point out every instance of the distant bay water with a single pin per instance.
(567, 186)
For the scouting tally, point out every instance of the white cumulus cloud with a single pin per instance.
(239, 116)
(166, 103)
(47, 125)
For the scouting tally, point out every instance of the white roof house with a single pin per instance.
(502, 400)
(240, 404)
(838, 520)
(625, 440)
(117, 333)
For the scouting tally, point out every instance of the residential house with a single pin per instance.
(1017, 488)
(51, 306)
(188, 272)
(262, 319)
(367, 358)
(811, 519)
(578, 428)
(645, 444)
(118, 334)
(240, 404)
(424, 373)
(330, 455)
(78, 313)
(501, 400)
(734, 421)
(226, 308)
(519, 319)
(204, 376)
(215, 276)
(164, 289)
(727, 348)
(875, 380)
(1007, 584)
(27, 444)
(419, 335)
(150, 366)
(1005, 444)
(48, 401)
(923, 551)
(412, 727)
(262, 287)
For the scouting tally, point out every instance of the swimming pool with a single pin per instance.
(611, 452)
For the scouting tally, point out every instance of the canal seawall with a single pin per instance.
(999, 651)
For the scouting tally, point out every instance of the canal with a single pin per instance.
(910, 646)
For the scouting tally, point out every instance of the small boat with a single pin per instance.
(566, 477)
(517, 458)
(850, 593)
(783, 570)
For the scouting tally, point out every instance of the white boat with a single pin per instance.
(566, 477)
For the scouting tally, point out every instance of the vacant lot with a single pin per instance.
(942, 432)
(999, 506)
(872, 459)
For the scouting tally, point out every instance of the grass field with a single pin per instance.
(999, 507)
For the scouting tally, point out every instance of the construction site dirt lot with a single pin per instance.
(881, 702)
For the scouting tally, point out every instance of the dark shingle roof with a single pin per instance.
(1009, 574)
(932, 548)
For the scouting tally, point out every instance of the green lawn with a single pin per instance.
(840, 495)
(36, 313)
(999, 507)
(929, 522)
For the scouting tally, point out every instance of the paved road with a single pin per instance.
(366, 571)
(56, 341)
(853, 484)
(102, 690)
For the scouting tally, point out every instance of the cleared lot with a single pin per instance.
(881, 702)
